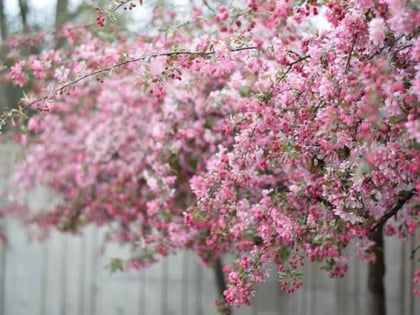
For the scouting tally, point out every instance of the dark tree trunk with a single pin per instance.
(61, 12)
(376, 274)
(221, 283)
(3, 22)
(220, 277)
(61, 17)
(10, 94)
(24, 8)
(4, 94)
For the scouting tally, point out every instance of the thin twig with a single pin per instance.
(294, 53)
(290, 66)
(401, 48)
(123, 63)
(208, 6)
(349, 57)
(120, 5)
(387, 45)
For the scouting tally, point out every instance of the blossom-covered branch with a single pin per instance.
(402, 199)
(265, 138)
(26, 103)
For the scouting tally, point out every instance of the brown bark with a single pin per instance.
(376, 274)
(61, 17)
(221, 283)
(61, 12)
(24, 9)
(4, 94)
(3, 22)
(220, 277)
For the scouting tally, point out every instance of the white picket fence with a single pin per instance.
(66, 275)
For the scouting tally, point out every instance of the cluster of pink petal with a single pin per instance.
(416, 281)
(299, 144)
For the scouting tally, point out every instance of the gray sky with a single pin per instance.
(43, 11)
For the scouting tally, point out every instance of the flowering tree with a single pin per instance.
(246, 131)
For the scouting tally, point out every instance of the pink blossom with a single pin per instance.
(377, 31)
(413, 129)
(17, 74)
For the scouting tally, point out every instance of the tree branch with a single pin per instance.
(325, 202)
(350, 53)
(290, 66)
(403, 198)
(209, 7)
(5, 116)
(413, 252)
(393, 42)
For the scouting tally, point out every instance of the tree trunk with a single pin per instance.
(61, 12)
(3, 22)
(221, 284)
(220, 277)
(4, 94)
(24, 8)
(61, 16)
(376, 274)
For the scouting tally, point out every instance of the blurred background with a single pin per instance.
(67, 274)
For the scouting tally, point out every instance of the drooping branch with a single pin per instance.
(28, 104)
(126, 62)
(403, 198)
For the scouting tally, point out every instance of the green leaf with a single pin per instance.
(265, 97)
(116, 265)
(396, 119)
(244, 92)
(282, 276)
(365, 169)
(406, 83)
(318, 239)
(258, 240)
(343, 153)
(374, 198)
(416, 146)
(284, 253)
(298, 275)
